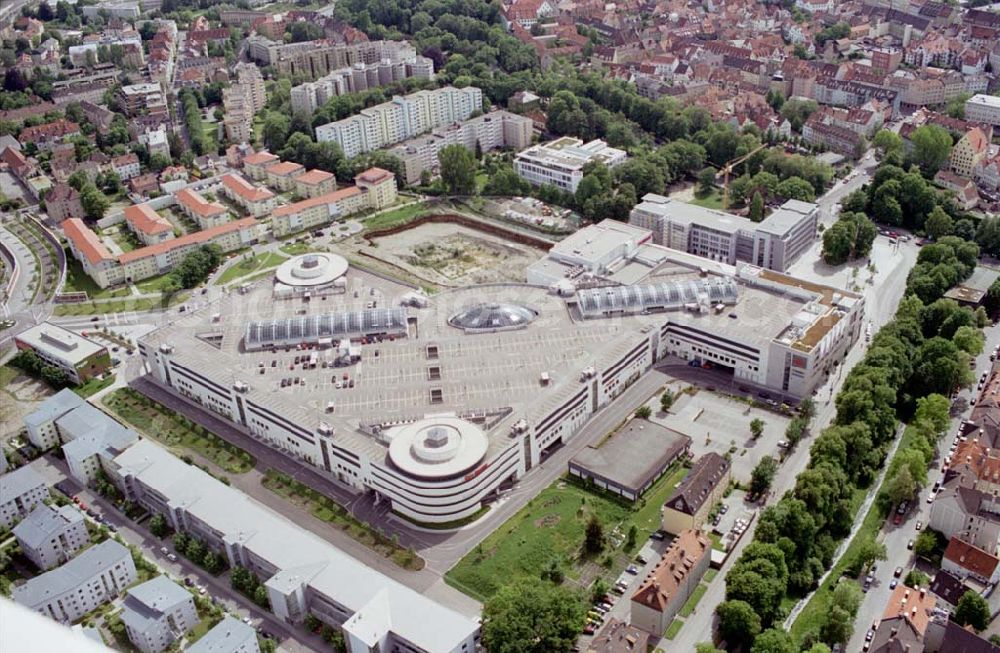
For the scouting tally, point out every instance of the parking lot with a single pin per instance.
(719, 423)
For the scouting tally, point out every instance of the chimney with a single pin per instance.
(923, 592)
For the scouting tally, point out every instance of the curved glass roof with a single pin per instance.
(492, 315)
(670, 295)
(310, 328)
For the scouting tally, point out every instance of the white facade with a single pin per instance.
(157, 613)
(93, 578)
(228, 636)
(401, 118)
(560, 163)
(983, 108)
(50, 536)
(20, 491)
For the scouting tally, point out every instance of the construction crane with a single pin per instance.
(728, 168)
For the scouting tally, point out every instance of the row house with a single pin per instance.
(47, 136)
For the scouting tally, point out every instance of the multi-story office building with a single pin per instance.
(984, 109)
(80, 358)
(308, 97)
(96, 576)
(157, 613)
(498, 129)
(50, 536)
(560, 162)
(774, 244)
(401, 118)
(20, 492)
(303, 573)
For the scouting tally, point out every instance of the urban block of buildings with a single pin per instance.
(774, 243)
(401, 118)
(88, 581)
(308, 97)
(560, 162)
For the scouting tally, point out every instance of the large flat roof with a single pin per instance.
(634, 454)
(688, 214)
(60, 580)
(61, 342)
(596, 241)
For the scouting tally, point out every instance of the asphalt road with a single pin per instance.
(896, 537)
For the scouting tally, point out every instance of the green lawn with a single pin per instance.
(295, 249)
(398, 216)
(176, 432)
(674, 628)
(688, 608)
(93, 386)
(713, 201)
(551, 526)
(647, 517)
(120, 306)
(326, 509)
(153, 284)
(251, 265)
(78, 281)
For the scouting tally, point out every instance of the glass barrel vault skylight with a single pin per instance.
(312, 328)
(665, 296)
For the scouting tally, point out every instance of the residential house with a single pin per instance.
(63, 201)
(228, 636)
(20, 491)
(967, 513)
(969, 151)
(157, 613)
(126, 166)
(904, 621)
(255, 200)
(147, 224)
(50, 536)
(47, 136)
(689, 505)
(965, 191)
(619, 637)
(671, 582)
(964, 560)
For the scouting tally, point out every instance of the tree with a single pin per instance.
(931, 148)
(593, 540)
(938, 223)
(529, 616)
(901, 486)
(773, 640)
(458, 169)
(706, 647)
(158, 525)
(706, 181)
(762, 475)
(666, 400)
(916, 578)
(260, 597)
(737, 621)
(969, 339)
(837, 244)
(757, 208)
(275, 133)
(837, 626)
(869, 551)
(796, 188)
(599, 589)
(93, 201)
(756, 427)
(643, 412)
(848, 596)
(888, 141)
(973, 610)
(633, 533)
(927, 544)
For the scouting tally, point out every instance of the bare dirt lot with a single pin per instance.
(455, 255)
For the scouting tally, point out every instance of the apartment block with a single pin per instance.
(774, 244)
(969, 151)
(91, 579)
(689, 505)
(282, 175)
(401, 118)
(228, 636)
(374, 189)
(315, 59)
(148, 225)
(238, 119)
(157, 613)
(137, 99)
(495, 130)
(20, 492)
(665, 590)
(50, 536)
(207, 214)
(314, 183)
(308, 97)
(255, 165)
(560, 162)
(248, 76)
(984, 109)
(255, 200)
(62, 202)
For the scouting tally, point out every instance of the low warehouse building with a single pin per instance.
(632, 459)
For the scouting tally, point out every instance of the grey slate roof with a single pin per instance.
(224, 638)
(146, 604)
(14, 484)
(55, 406)
(93, 431)
(60, 580)
(45, 521)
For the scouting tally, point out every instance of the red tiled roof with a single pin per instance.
(971, 558)
(312, 176)
(328, 198)
(915, 605)
(192, 200)
(85, 241)
(257, 158)
(142, 217)
(190, 239)
(674, 569)
(48, 130)
(284, 168)
(245, 189)
(373, 176)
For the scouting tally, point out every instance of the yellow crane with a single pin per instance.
(728, 168)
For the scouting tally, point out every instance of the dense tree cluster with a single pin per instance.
(30, 363)
(192, 121)
(194, 268)
(849, 238)
(532, 616)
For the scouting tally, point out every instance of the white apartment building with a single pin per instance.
(983, 108)
(20, 491)
(497, 129)
(238, 121)
(41, 424)
(248, 76)
(401, 118)
(157, 613)
(560, 162)
(228, 636)
(50, 536)
(96, 576)
(361, 76)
